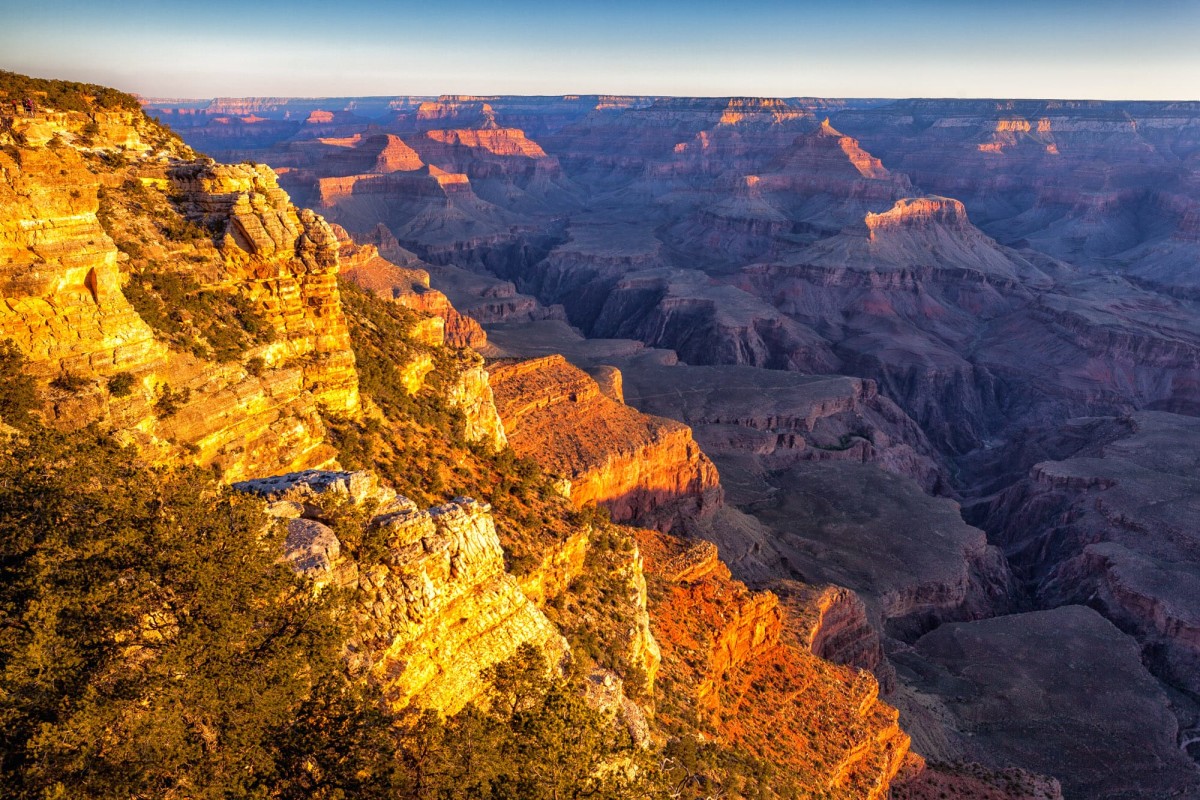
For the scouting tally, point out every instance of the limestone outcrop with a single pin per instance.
(472, 393)
(59, 276)
(285, 260)
(437, 609)
(229, 234)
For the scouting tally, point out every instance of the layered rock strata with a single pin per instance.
(1024, 689)
(1111, 524)
(438, 608)
(408, 286)
(65, 306)
(758, 421)
(735, 653)
(643, 469)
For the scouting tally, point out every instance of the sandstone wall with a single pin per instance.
(643, 469)
(64, 304)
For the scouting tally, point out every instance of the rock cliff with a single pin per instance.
(910, 557)
(436, 609)
(735, 654)
(409, 286)
(60, 270)
(643, 469)
(233, 241)
(754, 421)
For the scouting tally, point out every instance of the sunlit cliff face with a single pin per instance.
(501, 142)
(867, 165)
(916, 211)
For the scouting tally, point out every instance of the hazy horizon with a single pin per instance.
(1060, 49)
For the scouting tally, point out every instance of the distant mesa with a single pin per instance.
(918, 211)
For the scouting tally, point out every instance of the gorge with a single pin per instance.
(835, 448)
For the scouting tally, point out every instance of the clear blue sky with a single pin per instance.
(869, 48)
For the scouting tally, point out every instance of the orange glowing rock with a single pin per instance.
(1014, 126)
(759, 110)
(448, 178)
(344, 141)
(915, 211)
(867, 165)
(642, 468)
(396, 156)
(331, 190)
(498, 141)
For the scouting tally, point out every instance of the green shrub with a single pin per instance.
(121, 384)
(70, 382)
(153, 644)
(64, 95)
(218, 323)
(18, 392)
(170, 401)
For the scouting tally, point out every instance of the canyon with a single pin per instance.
(187, 309)
(943, 356)
(854, 440)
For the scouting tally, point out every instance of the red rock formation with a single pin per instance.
(452, 108)
(918, 211)
(839, 629)
(396, 156)
(500, 142)
(867, 165)
(409, 287)
(732, 654)
(643, 469)
(347, 156)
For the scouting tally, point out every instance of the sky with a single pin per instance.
(1096, 49)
